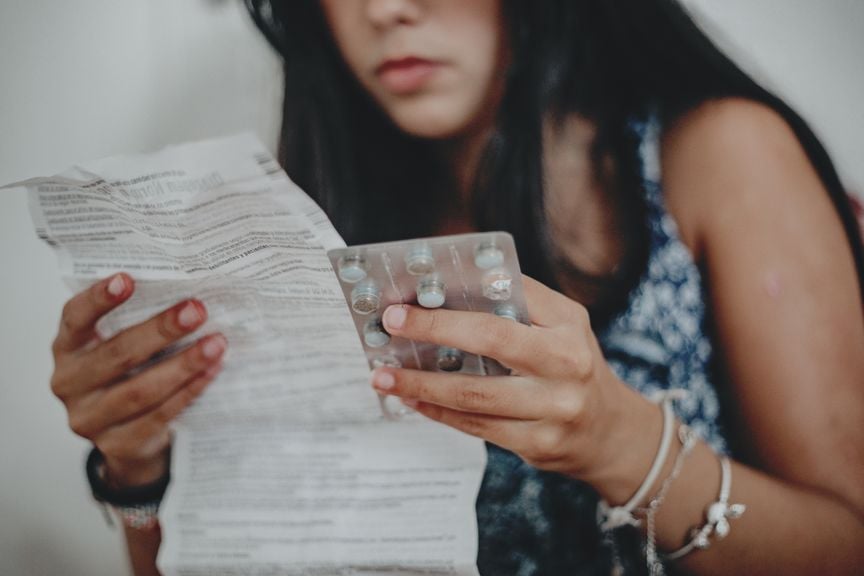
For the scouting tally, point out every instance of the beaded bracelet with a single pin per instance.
(717, 516)
(611, 517)
(688, 439)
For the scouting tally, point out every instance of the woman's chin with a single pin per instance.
(431, 123)
(431, 130)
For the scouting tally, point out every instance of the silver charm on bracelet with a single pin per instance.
(718, 515)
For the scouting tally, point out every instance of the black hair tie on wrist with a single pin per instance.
(131, 496)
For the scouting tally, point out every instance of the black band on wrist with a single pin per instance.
(131, 496)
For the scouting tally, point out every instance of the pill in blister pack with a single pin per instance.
(476, 272)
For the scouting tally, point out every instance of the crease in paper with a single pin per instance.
(284, 466)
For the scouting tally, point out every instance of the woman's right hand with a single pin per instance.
(126, 414)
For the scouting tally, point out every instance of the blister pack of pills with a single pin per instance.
(475, 272)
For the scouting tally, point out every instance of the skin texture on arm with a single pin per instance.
(143, 545)
(787, 310)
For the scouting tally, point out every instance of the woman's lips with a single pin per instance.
(406, 75)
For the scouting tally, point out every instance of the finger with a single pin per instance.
(515, 345)
(546, 447)
(82, 311)
(503, 432)
(550, 308)
(506, 396)
(132, 347)
(147, 436)
(145, 391)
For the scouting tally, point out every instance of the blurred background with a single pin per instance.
(91, 78)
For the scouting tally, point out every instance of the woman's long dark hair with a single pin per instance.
(612, 61)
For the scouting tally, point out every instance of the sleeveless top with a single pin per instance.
(540, 523)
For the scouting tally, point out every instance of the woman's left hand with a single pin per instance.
(561, 410)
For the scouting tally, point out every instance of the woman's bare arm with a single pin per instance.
(143, 545)
(787, 308)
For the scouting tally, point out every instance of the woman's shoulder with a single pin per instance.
(733, 158)
(783, 288)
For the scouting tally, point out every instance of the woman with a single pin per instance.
(652, 187)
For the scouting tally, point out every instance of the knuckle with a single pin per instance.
(560, 357)
(497, 333)
(582, 363)
(474, 426)
(67, 327)
(68, 310)
(571, 406)
(80, 425)
(57, 385)
(69, 317)
(547, 446)
(61, 382)
(56, 348)
(135, 397)
(432, 324)
(471, 396)
(117, 354)
(576, 361)
(579, 315)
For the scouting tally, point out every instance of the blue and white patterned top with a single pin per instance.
(538, 523)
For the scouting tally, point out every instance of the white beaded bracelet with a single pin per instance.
(717, 516)
(612, 517)
(688, 439)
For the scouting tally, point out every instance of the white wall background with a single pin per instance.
(90, 78)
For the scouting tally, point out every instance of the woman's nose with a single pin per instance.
(387, 13)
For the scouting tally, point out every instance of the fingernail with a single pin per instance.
(214, 347)
(189, 316)
(410, 402)
(117, 286)
(383, 380)
(394, 317)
